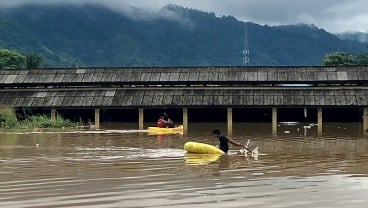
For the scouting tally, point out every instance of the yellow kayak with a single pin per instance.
(201, 148)
(160, 131)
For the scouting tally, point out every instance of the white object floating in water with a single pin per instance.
(286, 132)
(290, 123)
(37, 145)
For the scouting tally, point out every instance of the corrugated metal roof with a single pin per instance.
(198, 75)
(151, 97)
(179, 87)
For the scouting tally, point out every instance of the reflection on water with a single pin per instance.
(200, 159)
(131, 169)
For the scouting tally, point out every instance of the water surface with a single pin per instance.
(131, 169)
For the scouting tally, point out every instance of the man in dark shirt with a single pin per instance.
(224, 142)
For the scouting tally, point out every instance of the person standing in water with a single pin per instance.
(224, 141)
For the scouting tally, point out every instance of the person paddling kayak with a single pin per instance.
(162, 123)
(224, 141)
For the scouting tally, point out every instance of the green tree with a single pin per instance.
(362, 59)
(11, 59)
(338, 59)
(33, 61)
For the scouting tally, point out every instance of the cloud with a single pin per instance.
(333, 15)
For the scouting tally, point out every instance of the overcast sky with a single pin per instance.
(332, 15)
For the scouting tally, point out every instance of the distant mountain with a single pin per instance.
(357, 36)
(96, 36)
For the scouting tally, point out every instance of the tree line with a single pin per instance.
(345, 59)
(12, 59)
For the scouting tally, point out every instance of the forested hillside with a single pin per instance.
(67, 35)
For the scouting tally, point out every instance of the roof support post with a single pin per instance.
(365, 121)
(141, 119)
(274, 121)
(53, 114)
(97, 118)
(319, 122)
(185, 120)
(230, 122)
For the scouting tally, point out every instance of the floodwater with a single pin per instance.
(131, 169)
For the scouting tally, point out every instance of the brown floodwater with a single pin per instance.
(128, 168)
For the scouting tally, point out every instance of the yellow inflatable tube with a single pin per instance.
(201, 148)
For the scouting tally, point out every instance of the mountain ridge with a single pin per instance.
(356, 36)
(69, 35)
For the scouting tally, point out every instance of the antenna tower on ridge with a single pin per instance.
(246, 52)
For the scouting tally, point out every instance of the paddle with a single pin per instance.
(246, 148)
(169, 119)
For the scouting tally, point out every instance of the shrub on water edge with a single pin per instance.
(42, 121)
(8, 118)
